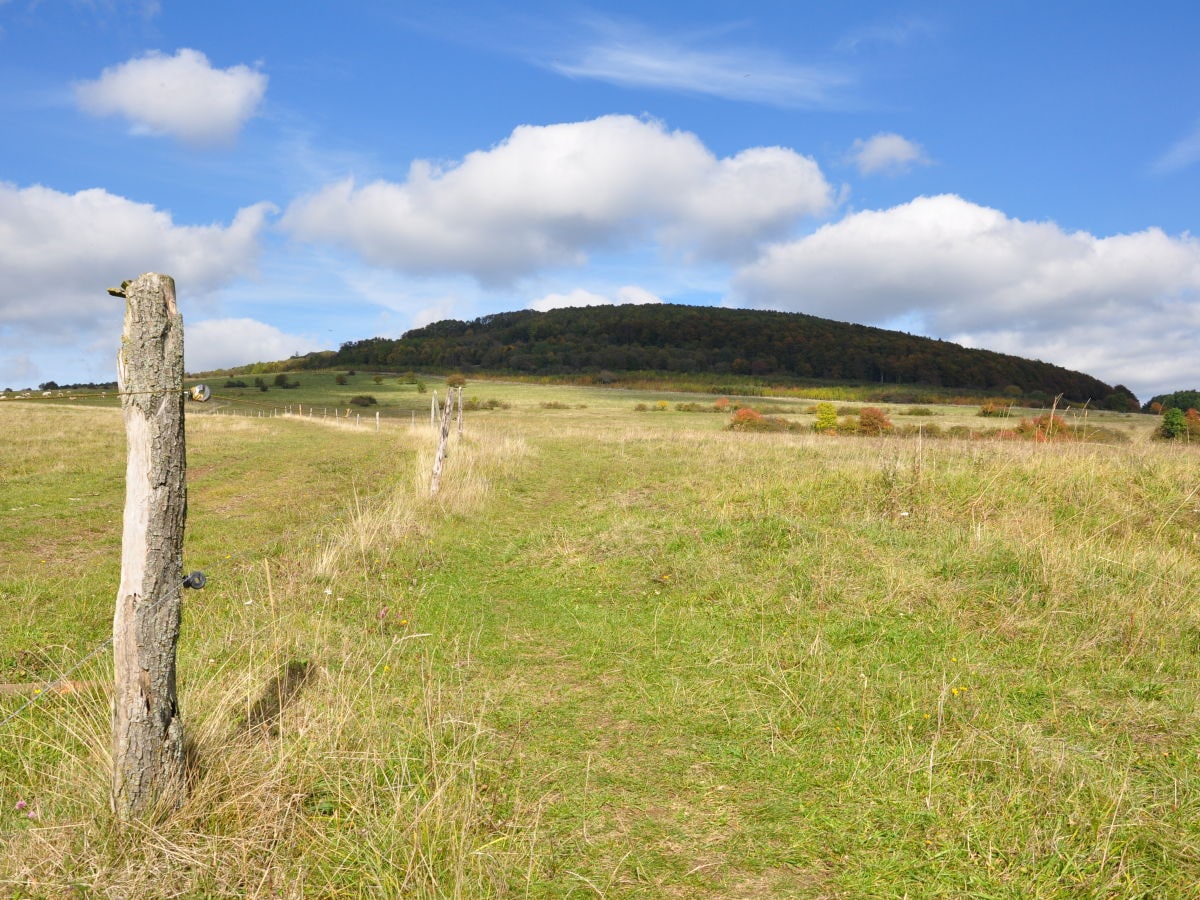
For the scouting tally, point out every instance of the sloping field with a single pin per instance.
(621, 654)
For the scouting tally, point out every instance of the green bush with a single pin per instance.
(339, 378)
(827, 418)
(363, 400)
(1174, 424)
(235, 383)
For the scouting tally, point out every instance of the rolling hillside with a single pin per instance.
(675, 338)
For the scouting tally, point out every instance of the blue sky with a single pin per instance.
(1019, 176)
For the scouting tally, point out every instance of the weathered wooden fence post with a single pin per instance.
(460, 411)
(440, 458)
(148, 753)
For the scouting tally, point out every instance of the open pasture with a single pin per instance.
(621, 654)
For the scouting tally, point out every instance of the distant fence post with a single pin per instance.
(148, 758)
(440, 458)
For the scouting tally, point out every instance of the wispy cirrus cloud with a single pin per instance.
(898, 33)
(632, 56)
(1180, 155)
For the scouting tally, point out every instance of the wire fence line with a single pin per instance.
(265, 410)
(47, 687)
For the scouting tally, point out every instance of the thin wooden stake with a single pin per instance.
(440, 458)
(148, 756)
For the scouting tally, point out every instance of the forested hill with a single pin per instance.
(674, 338)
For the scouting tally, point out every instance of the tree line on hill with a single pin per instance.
(677, 339)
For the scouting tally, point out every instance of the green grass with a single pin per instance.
(622, 654)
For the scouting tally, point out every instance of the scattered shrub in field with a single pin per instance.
(1174, 424)
(918, 411)
(378, 379)
(235, 383)
(421, 387)
(848, 425)
(722, 404)
(408, 378)
(554, 404)
(848, 410)
(363, 400)
(930, 431)
(281, 381)
(641, 407)
(1178, 424)
(873, 421)
(827, 418)
(662, 406)
(474, 403)
(959, 431)
(1044, 428)
(339, 378)
(260, 384)
(993, 408)
(456, 380)
(746, 419)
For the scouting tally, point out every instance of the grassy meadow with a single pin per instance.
(621, 654)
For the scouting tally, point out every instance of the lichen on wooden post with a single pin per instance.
(148, 749)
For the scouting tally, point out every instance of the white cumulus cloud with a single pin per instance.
(183, 96)
(1106, 305)
(548, 195)
(222, 343)
(630, 293)
(886, 154)
(59, 252)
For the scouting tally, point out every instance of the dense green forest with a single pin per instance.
(1179, 400)
(675, 338)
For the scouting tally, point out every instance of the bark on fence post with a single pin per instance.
(460, 412)
(148, 752)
